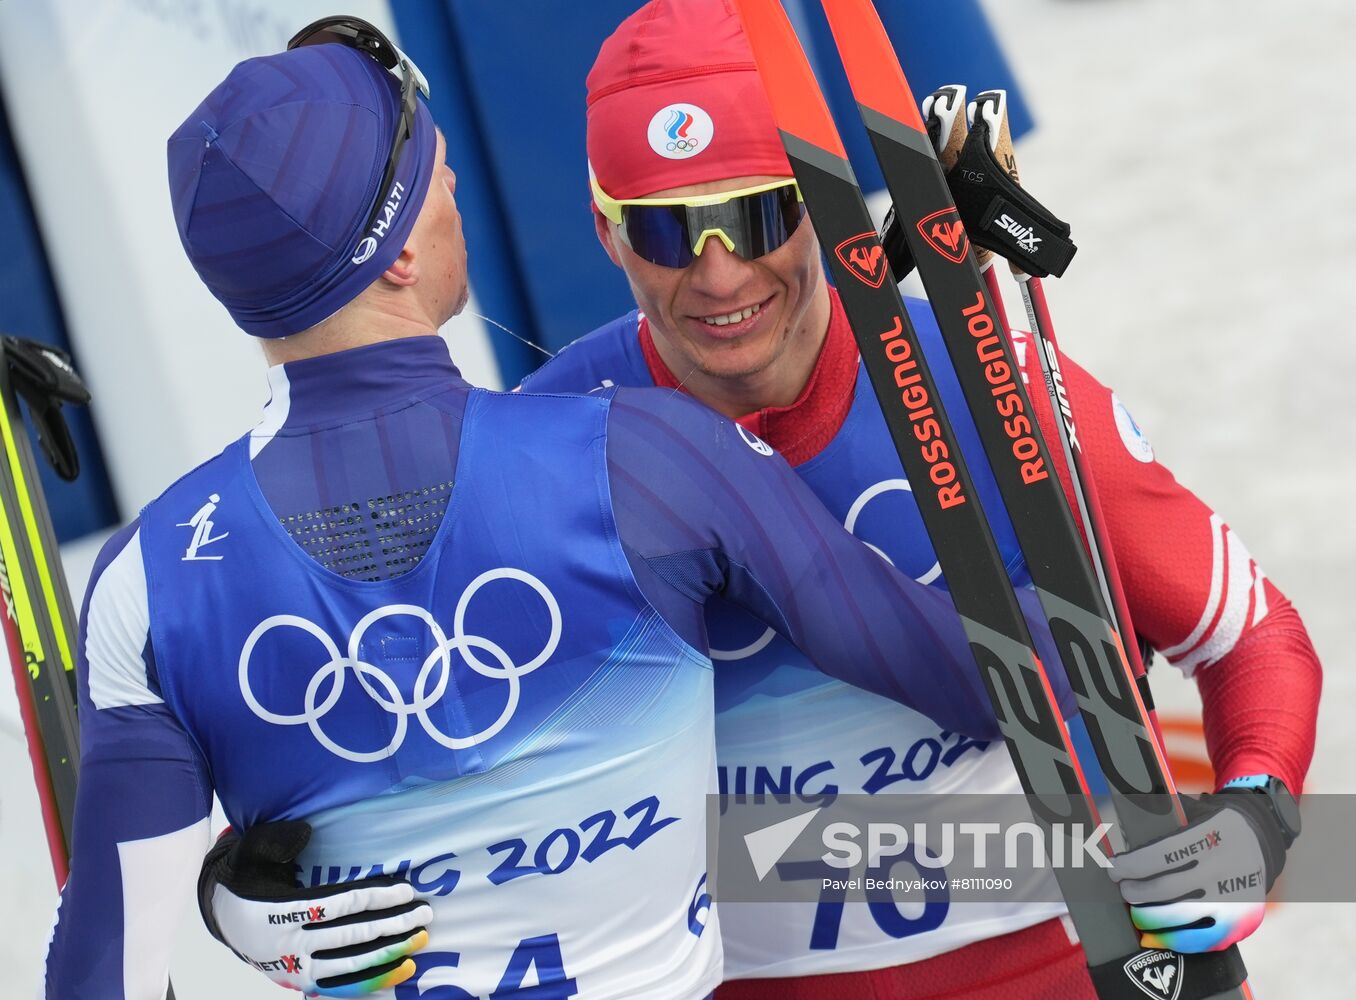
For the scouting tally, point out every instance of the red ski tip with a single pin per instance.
(872, 67)
(797, 103)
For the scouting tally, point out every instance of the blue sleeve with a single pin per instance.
(608, 356)
(141, 816)
(704, 507)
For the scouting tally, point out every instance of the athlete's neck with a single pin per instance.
(374, 317)
(343, 385)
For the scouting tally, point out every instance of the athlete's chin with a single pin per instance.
(459, 301)
(721, 355)
(735, 361)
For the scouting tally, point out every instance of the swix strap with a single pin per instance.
(1002, 216)
(998, 214)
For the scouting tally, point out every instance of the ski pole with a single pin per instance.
(949, 125)
(990, 110)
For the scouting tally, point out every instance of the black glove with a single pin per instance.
(43, 376)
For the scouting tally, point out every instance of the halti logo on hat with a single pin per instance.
(680, 131)
(380, 224)
(365, 249)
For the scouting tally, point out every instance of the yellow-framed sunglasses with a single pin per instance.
(671, 232)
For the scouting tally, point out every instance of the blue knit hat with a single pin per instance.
(275, 172)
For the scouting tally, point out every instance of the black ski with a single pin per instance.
(927, 447)
(1091, 648)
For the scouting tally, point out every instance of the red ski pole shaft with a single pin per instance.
(1085, 486)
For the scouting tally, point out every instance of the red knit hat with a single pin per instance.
(674, 99)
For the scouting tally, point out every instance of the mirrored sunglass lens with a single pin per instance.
(658, 233)
(757, 224)
(770, 218)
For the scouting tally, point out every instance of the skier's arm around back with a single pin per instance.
(704, 507)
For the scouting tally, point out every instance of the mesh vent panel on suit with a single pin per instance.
(373, 539)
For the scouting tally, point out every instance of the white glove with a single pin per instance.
(336, 940)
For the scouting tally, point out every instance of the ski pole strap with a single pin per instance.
(44, 377)
(1170, 976)
(1002, 216)
(998, 214)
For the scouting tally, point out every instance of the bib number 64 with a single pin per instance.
(541, 954)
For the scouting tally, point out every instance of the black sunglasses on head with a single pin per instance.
(355, 33)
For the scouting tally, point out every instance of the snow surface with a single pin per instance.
(1199, 150)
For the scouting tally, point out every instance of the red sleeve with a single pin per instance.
(1195, 593)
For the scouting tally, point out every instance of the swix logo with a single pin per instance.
(57, 360)
(368, 246)
(946, 234)
(201, 523)
(310, 915)
(1026, 236)
(864, 257)
(1057, 381)
(1156, 973)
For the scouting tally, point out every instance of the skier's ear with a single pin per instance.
(604, 230)
(402, 270)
